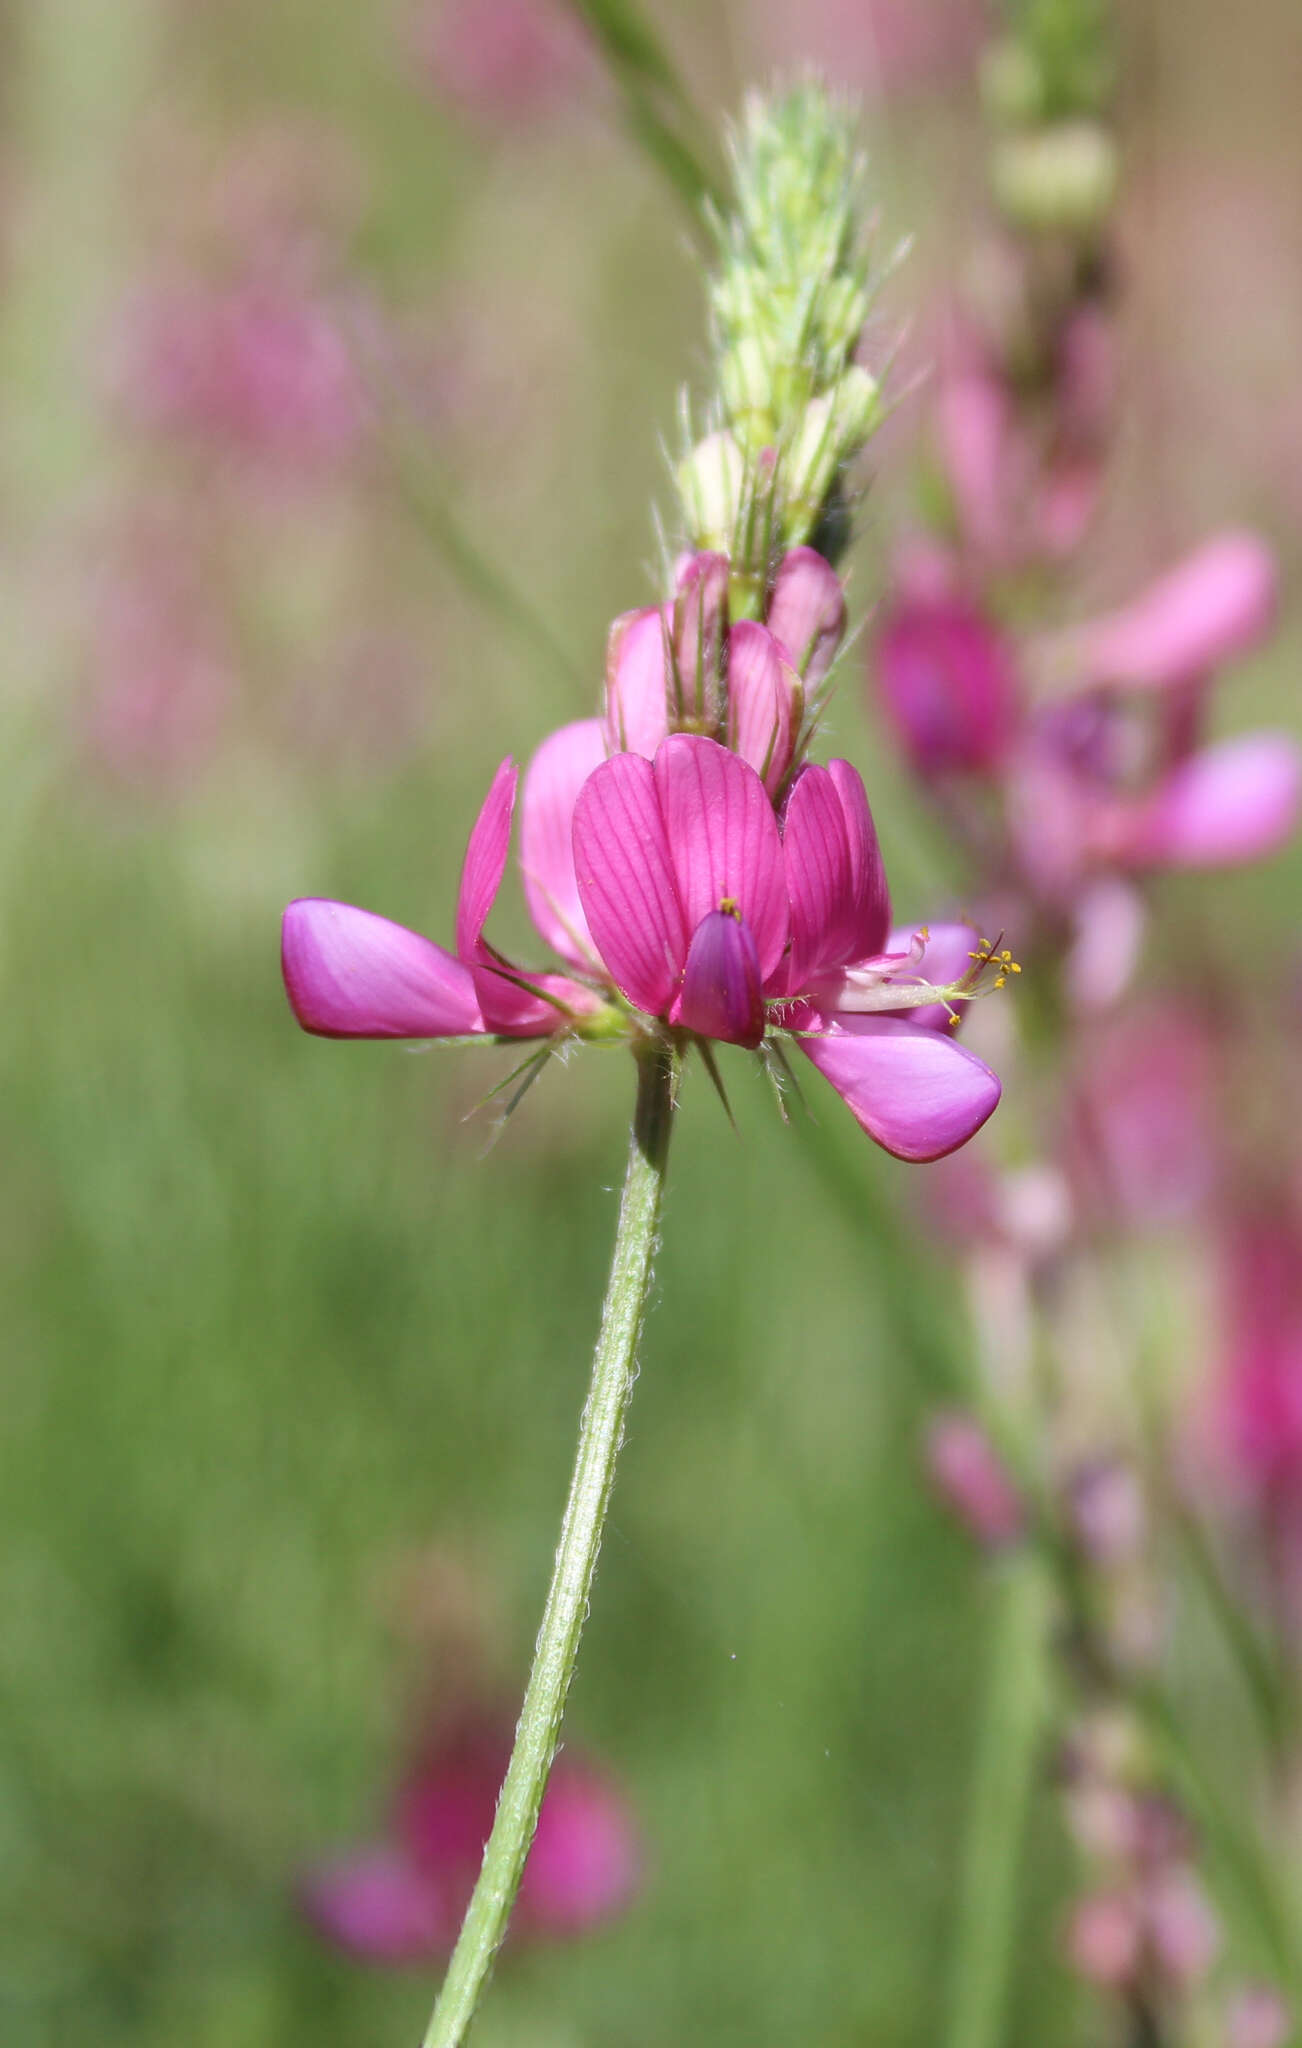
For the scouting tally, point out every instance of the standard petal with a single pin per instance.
(378, 1906)
(723, 840)
(1230, 803)
(700, 634)
(807, 612)
(552, 782)
(915, 1091)
(765, 703)
(1217, 603)
(722, 994)
(351, 974)
(869, 892)
(485, 862)
(637, 681)
(625, 880)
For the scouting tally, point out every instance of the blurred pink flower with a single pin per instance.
(1143, 1142)
(948, 680)
(671, 885)
(501, 60)
(1257, 2017)
(1259, 1399)
(969, 1477)
(258, 364)
(874, 45)
(401, 1900)
(1217, 604)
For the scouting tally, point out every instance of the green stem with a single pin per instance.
(600, 1434)
(1013, 1718)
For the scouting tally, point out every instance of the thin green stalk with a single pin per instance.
(659, 112)
(1013, 1719)
(600, 1435)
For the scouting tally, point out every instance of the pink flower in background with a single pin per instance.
(501, 59)
(671, 883)
(1259, 1400)
(948, 680)
(401, 1899)
(1217, 604)
(874, 45)
(258, 363)
(969, 1477)
(1143, 1142)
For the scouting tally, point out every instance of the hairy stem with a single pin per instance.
(600, 1434)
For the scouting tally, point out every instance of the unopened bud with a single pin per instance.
(711, 483)
(1062, 178)
(698, 646)
(968, 1476)
(1012, 85)
(746, 379)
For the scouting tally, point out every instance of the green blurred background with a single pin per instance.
(283, 1331)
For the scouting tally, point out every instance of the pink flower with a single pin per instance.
(680, 667)
(401, 1900)
(949, 684)
(1259, 1405)
(969, 1476)
(260, 364)
(1143, 1139)
(501, 59)
(671, 888)
(1212, 607)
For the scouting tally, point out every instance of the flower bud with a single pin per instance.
(1104, 1939)
(806, 612)
(969, 1477)
(747, 382)
(637, 681)
(1012, 85)
(698, 646)
(712, 484)
(1062, 178)
(1257, 2017)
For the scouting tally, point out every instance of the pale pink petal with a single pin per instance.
(552, 782)
(1233, 802)
(637, 682)
(625, 879)
(722, 994)
(723, 840)
(1216, 604)
(915, 1091)
(765, 701)
(351, 974)
(377, 1905)
(807, 612)
(485, 862)
(946, 958)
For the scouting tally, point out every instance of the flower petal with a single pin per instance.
(485, 863)
(722, 994)
(1217, 603)
(807, 612)
(625, 880)
(700, 633)
(1234, 802)
(351, 974)
(377, 1905)
(945, 958)
(723, 840)
(637, 681)
(765, 702)
(552, 782)
(915, 1091)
